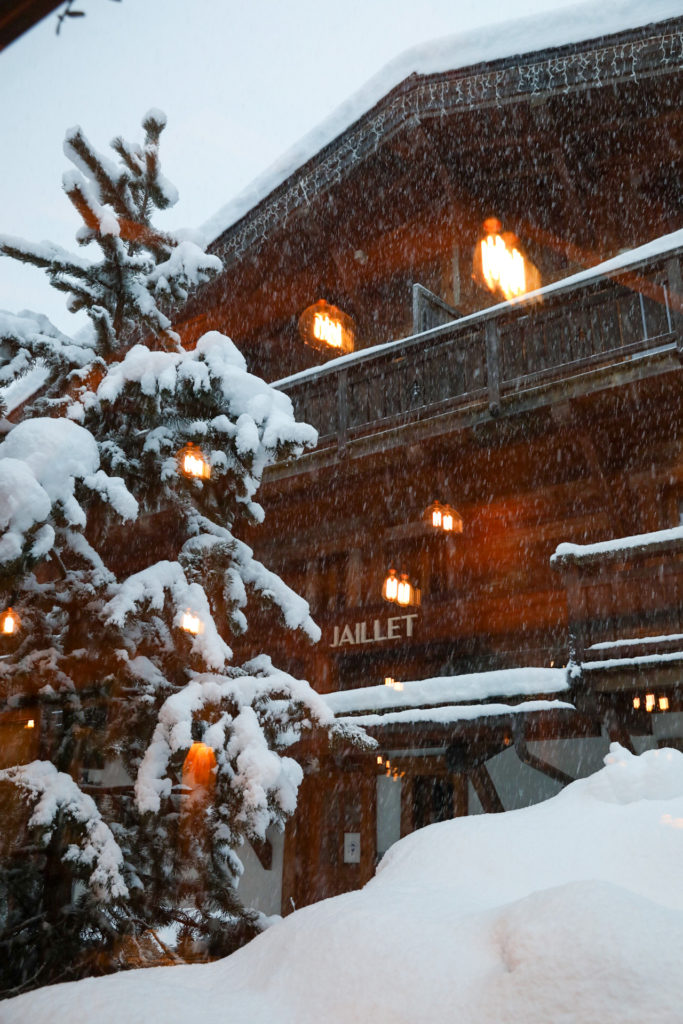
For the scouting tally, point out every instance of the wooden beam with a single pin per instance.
(485, 790)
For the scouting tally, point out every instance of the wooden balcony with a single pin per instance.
(594, 331)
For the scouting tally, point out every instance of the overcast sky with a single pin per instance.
(240, 81)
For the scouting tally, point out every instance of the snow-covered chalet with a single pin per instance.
(469, 281)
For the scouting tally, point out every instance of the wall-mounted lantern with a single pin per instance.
(651, 702)
(10, 623)
(443, 517)
(400, 591)
(326, 328)
(406, 591)
(193, 463)
(390, 586)
(500, 265)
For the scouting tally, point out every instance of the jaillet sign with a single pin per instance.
(375, 631)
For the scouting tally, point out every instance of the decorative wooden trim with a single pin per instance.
(422, 97)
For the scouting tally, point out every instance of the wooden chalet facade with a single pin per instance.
(551, 419)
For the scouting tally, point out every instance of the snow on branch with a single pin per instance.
(54, 796)
(294, 608)
(247, 424)
(249, 719)
(152, 587)
(40, 462)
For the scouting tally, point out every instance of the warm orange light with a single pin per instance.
(327, 330)
(389, 681)
(325, 327)
(193, 463)
(390, 587)
(380, 759)
(30, 724)
(663, 703)
(9, 622)
(199, 765)
(191, 623)
(443, 517)
(404, 594)
(636, 702)
(503, 267)
(649, 701)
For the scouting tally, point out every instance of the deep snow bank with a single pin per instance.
(570, 911)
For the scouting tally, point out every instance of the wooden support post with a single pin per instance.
(485, 790)
(342, 414)
(407, 825)
(460, 796)
(526, 757)
(493, 366)
(368, 826)
(673, 269)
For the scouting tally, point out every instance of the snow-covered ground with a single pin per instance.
(569, 912)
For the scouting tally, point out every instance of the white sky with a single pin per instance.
(240, 82)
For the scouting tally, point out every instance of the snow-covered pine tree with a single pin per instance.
(126, 467)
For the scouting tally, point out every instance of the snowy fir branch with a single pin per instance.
(53, 796)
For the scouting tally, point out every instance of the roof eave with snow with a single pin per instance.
(462, 72)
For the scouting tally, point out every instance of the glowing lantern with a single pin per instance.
(30, 724)
(649, 701)
(193, 463)
(636, 702)
(380, 759)
(401, 591)
(199, 765)
(663, 703)
(191, 623)
(443, 517)
(10, 622)
(406, 591)
(390, 587)
(327, 328)
(500, 265)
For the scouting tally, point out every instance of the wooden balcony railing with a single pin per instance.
(487, 359)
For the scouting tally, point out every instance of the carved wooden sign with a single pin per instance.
(395, 627)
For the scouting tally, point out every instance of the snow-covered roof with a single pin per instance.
(640, 542)
(474, 686)
(456, 713)
(644, 661)
(624, 261)
(525, 36)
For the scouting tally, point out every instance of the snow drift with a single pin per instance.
(570, 911)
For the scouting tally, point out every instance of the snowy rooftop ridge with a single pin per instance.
(475, 686)
(567, 553)
(521, 37)
(623, 262)
(457, 713)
